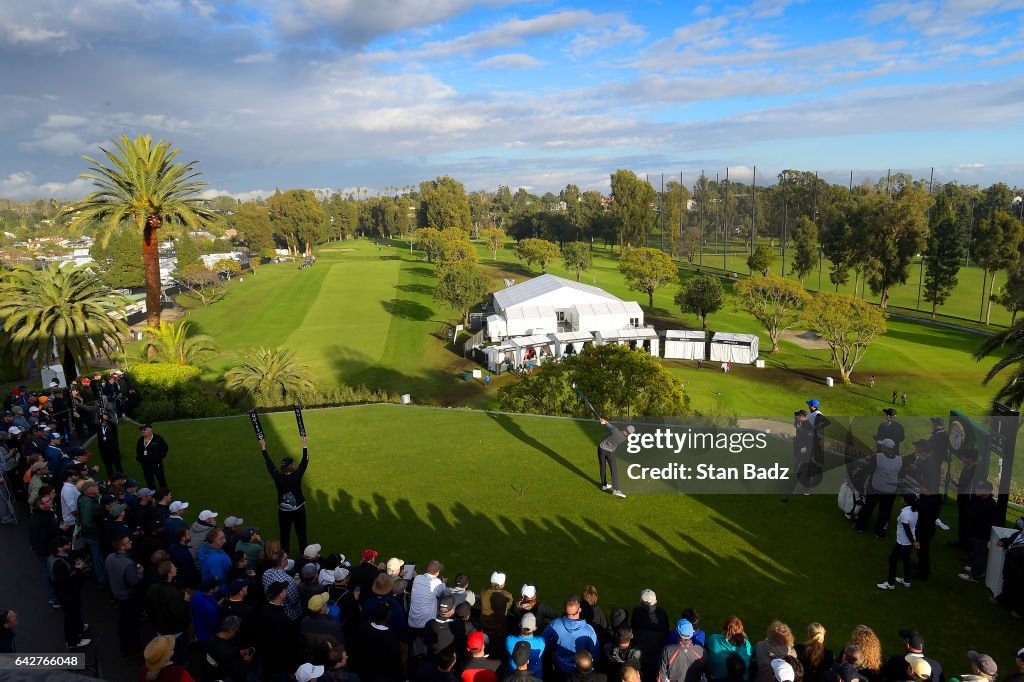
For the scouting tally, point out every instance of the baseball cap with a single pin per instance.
(209, 583)
(649, 597)
(312, 551)
(308, 671)
(921, 667)
(119, 476)
(783, 671)
(107, 499)
(529, 591)
(145, 426)
(630, 429)
(276, 588)
(317, 602)
(475, 641)
(145, 492)
(326, 576)
(340, 573)
(395, 565)
(891, 411)
(232, 522)
(922, 441)
(984, 662)
(237, 586)
(913, 638)
(247, 534)
(498, 578)
(33, 409)
(14, 430)
(37, 466)
(117, 510)
(309, 571)
(684, 629)
(446, 604)
(887, 443)
(177, 506)
(813, 402)
(369, 554)
(528, 622)
(131, 483)
(521, 653)
(984, 485)
(1020, 654)
(204, 515)
(938, 420)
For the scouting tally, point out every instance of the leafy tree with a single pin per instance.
(572, 197)
(761, 260)
(944, 249)
(172, 344)
(616, 380)
(674, 205)
(897, 230)
(227, 267)
(839, 246)
(691, 243)
(120, 260)
(270, 377)
(202, 283)
(847, 324)
(461, 286)
(805, 239)
(65, 314)
(494, 238)
(186, 251)
(342, 216)
(776, 302)
(443, 203)
(647, 269)
(453, 251)
(1010, 341)
(298, 218)
(576, 256)
(252, 220)
(431, 241)
(141, 188)
(702, 295)
(537, 251)
(996, 240)
(632, 207)
(1011, 294)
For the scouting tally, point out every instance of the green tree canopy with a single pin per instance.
(298, 219)
(776, 302)
(270, 377)
(805, 239)
(460, 286)
(494, 238)
(761, 260)
(252, 220)
(847, 324)
(701, 295)
(996, 248)
(647, 269)
(119, 261)
(576, 256)
(443, 203)
(537, 251)
(897, 231)
(944, 248)
(632, 207)
(172, 344)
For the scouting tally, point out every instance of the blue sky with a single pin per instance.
(358, 93)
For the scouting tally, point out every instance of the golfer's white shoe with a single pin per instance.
(606, 487)
(618, 493)
(885, 586)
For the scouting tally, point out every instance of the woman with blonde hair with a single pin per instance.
(777, 643)
(871, 649)
(813, 655)
(720, 645)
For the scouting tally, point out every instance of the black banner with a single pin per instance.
(298, 420)
(256, 425)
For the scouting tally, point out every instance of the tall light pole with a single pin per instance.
(920, 277)
(753, 214)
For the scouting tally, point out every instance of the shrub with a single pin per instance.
(155, 381)
(155, 410)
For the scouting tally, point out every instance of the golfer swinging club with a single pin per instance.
(606, 455)
(291, 503)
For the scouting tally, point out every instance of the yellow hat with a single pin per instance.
(159, 651)
(317, 602)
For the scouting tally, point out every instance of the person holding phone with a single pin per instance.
(291, 503)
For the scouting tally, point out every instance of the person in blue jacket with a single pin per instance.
(569, 635)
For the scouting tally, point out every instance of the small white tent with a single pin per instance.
(536, 349)
(643, 338)
(498, 355)
(529, 320)
(496, 327)
(606, 317)
(684, 344)
(739, 348)
(569, 343)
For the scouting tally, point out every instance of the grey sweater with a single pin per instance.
(123, 575)
(615, 438)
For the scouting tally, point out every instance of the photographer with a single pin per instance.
(805, 464)
(109, 444)
(291, 503)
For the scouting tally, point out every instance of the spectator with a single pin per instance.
(159, 666)
(124, 575)
(437, 633)
(906, 542)
(382, 594)
(528, 634)
(882, 473)
(378, 648)
(250, 542)
(67, 583)
(732, 640)
(187, 574)
(848, 669)
(89, 515)
(43, 528)
(735, 670)
(584, 671)
(340, 594)
(495, 604)
(278, 632)
(365, 573)
(787, 669)
(896, 667)
(206, 522)
(569, 635)
(871, 650)
(621, 653)
(307, 672)
(964, 494)
(681, 662)
(594, 614)
(427, 589)
(1012, 594)
(206, 610)
(174, 520)
(318, 627)
(479, 668)
(691, 615)
(521, 664)
(235, 605)
(214, 563)
(225, 658)
(8, 622)
(438, 671)
(650, 632)
(162, 506)
(335, 661)
(981, 513)
(814, 656)
(109, 444)
(232, 529)
(1019, 675)
(778, 643)
(168, 607)
(150, 451)
(461, 592)
(277, 574)
(529, 603)
(463, 626)
(917, 669)
(983, 668)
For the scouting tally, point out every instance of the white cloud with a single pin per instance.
(248, 195)
(510, 61)
(256, 58)
(23, 185)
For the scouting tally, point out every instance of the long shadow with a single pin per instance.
(407, 310)
(942, 340)
(415, 288)
(517, 432)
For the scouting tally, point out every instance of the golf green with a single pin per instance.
(484, 491)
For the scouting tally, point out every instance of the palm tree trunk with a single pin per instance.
(151, 261)
(68, 363)
(988, 305)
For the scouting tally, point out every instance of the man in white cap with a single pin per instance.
(206, 522)
(232, 528)
(308, 672)
(495, 603)
(607, 458)
(883, 473)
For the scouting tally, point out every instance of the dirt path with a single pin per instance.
(805, 339)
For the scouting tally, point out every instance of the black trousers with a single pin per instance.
(287, 519)
(977, 551)
(71, 601)
(112, 461)
(927, 513)
(884, 502)
(154, 473)
(899, 553)
(129, 617)
(962, 526)
(607, 460)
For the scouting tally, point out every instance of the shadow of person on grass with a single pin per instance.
(516, 431)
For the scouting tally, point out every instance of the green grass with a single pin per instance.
(483, 491)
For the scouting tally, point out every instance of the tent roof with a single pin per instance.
(532, 288)
(729, 336)
(499, 348)
(569, 337)
(535, 340)
(684, 334)
(610, 308)
(634, 333)
(528, 312)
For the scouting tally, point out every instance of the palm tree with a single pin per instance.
(141, 188)
(1012, 392)
(172, 344)
(270, 377)
(66, 314)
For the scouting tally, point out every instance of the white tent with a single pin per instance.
(739, 348)
(606, 317)
(528, 320)
(497, 355)
(682, 344)
(644, 337)
(569, 342)
(536, 349)
(496, 327)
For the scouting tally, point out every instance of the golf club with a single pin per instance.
(584, 399)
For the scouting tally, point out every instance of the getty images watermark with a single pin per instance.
(788, 456)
